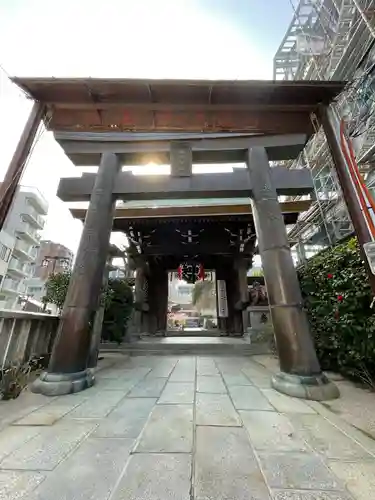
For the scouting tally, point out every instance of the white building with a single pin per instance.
(19, 243)
(179, 291)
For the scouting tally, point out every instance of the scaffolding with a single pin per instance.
(332, 40)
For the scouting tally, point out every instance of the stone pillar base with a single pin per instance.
(313, 387)
(59, 384)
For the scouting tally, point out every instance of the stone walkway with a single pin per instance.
(181, 428)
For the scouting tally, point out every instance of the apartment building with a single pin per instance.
(19, 244)
(52, 258)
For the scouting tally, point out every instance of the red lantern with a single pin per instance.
(179, 272)
(201, 272)
(340, 298)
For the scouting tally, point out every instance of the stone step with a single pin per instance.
(190, 345)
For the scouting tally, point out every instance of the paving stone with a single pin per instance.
(26, 403)
(156, 477)
(358, 477)
(17, 485)
(177, 392)
(211, 384)
(148, 388)
(12, 438)
(184, 371)
(98, 406)
(161, 370)
(297, 471)
(254, 370)
(126, 373)
(206, 367)
(326, 439)
(365, 441)
(49, 447)
(90, 473)
(47, 415)
(236, 379)
(169, 429)
(123, 385)
(215, 409)
(309, 495)
(127, 419)
(249, 398)
(261, 382)
(286, 404)
(225, 466)
(269, 430)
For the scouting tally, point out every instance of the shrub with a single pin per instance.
(337, 297)
(118, 308)
(117, 298)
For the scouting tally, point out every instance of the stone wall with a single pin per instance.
(24, 335)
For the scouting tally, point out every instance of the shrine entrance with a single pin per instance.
(192, 301)
(191, 271)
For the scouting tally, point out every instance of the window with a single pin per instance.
(4, 252)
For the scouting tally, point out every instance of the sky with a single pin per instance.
(203, 39)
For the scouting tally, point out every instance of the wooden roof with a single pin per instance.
(260, 107)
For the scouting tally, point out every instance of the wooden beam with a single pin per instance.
(236, 184)
(114, 119)
(118, 142)
(194, 211)
(154, 106)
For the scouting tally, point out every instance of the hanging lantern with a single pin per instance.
(201, 272)
(179, 272)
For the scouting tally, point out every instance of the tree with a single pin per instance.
(117, 299)
(56, 289)
(118, 309)
(204, 295)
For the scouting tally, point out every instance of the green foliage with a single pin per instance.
(119, 305)
(56, 288)
(13, 380)
(117, 299)
(337, 297)
(203, 293)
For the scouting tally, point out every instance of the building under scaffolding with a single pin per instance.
(332, 39)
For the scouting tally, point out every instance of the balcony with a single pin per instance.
(36, 199)
(33, 217)
(18, 268)
(13, 287)
(25, 250)
(26, 231)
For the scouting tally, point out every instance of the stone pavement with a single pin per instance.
(181, 428)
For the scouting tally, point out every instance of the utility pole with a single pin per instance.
(17, 165)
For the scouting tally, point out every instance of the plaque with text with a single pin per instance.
(181, 159)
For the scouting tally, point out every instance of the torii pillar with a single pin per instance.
(68, 369)
(300, 374)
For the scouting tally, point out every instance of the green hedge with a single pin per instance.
(337, 297)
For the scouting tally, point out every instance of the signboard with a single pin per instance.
(181, 159)
(222, 302)
(369, 249)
